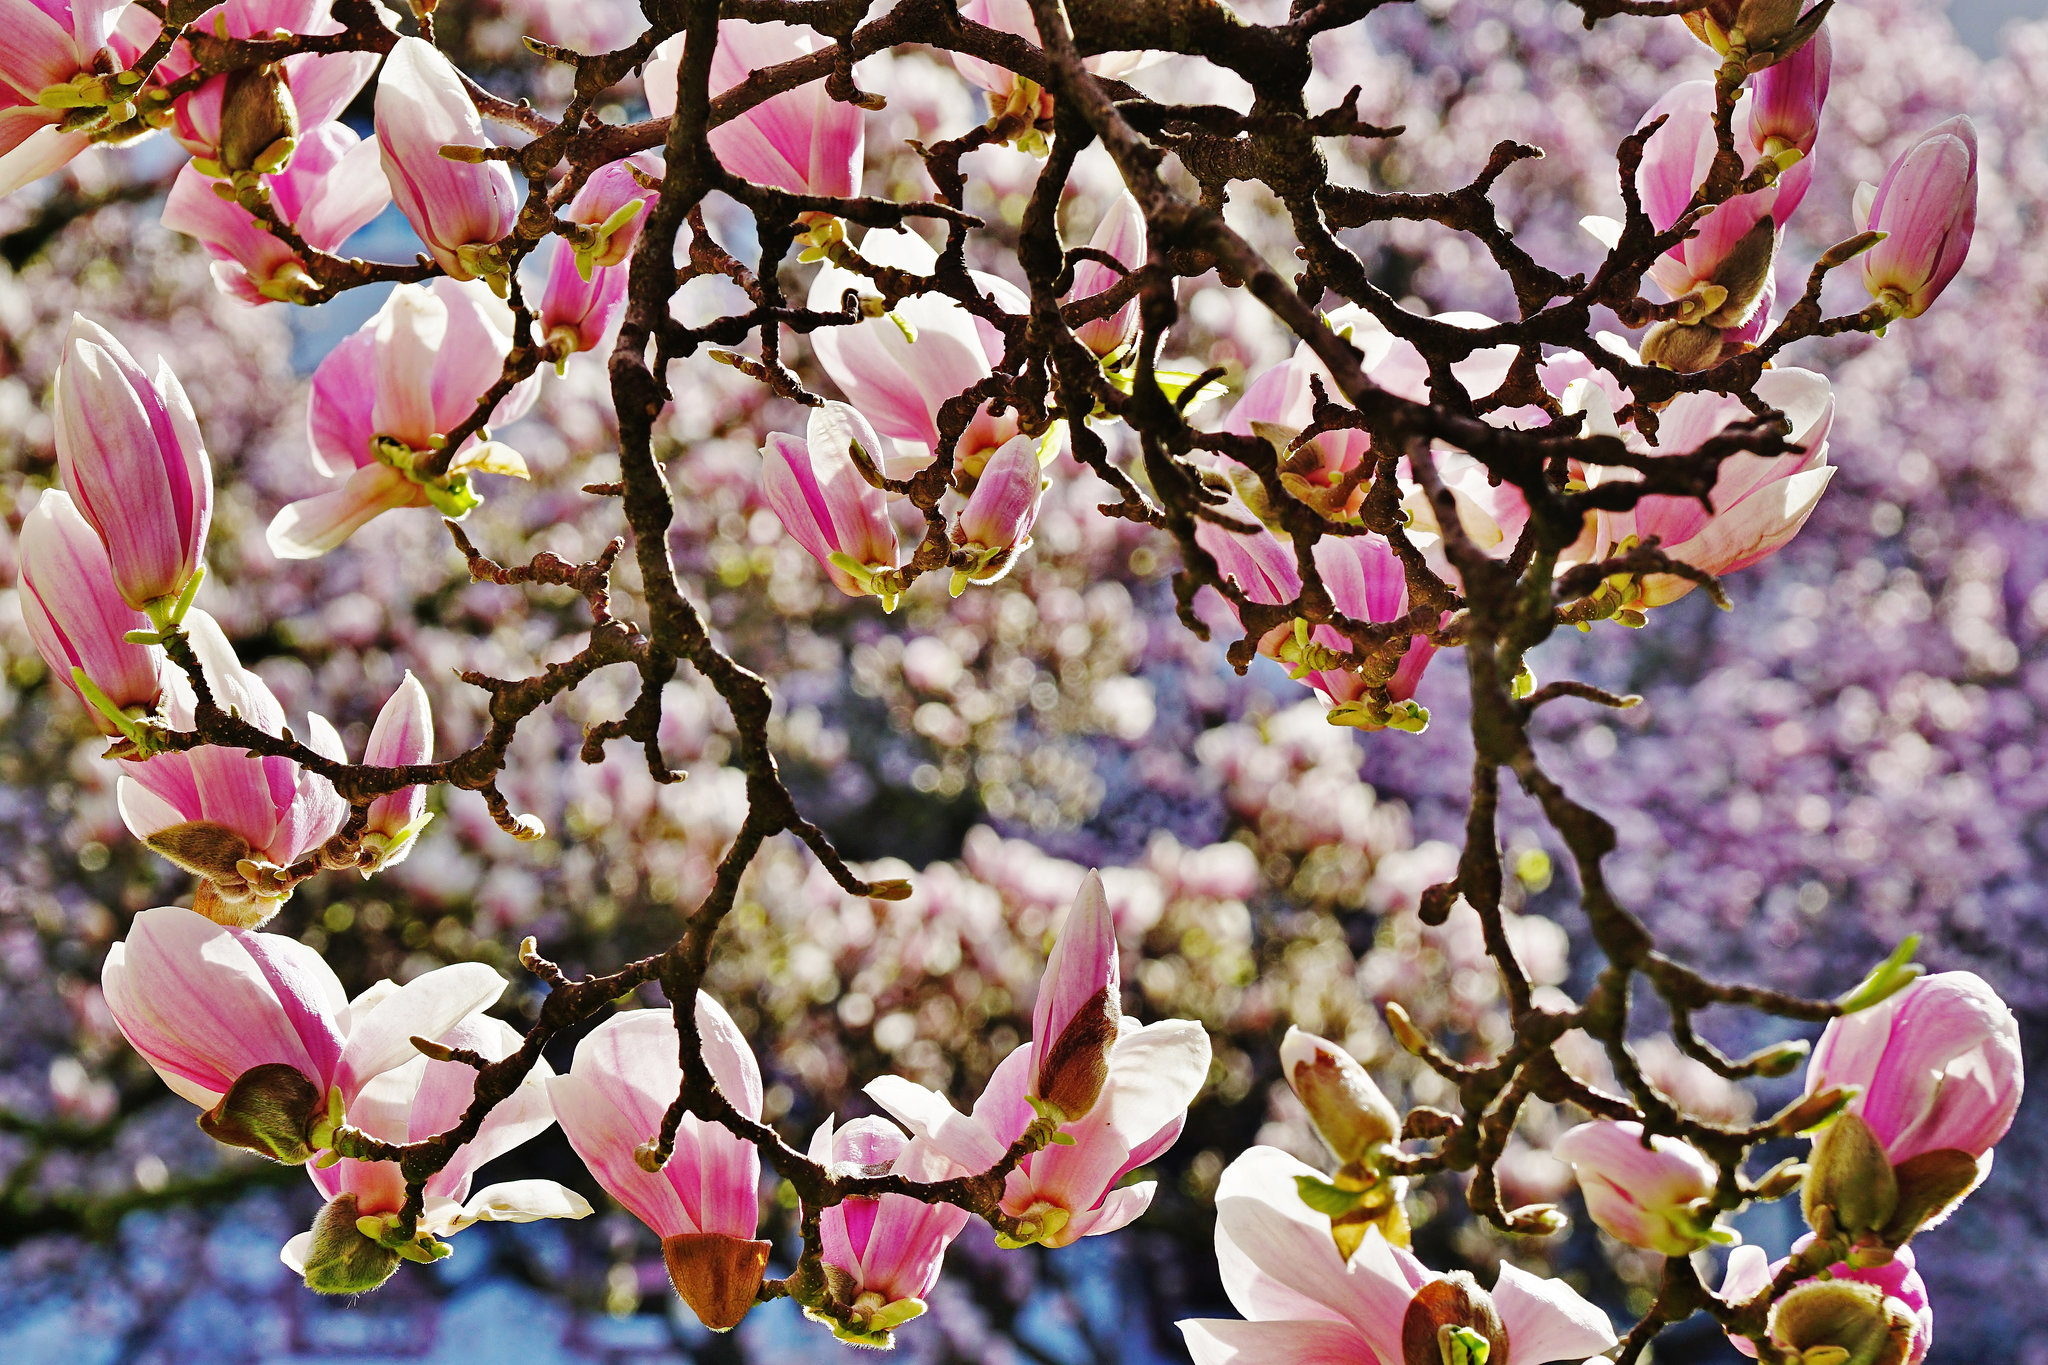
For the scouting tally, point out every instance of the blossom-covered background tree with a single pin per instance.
(1844, 759)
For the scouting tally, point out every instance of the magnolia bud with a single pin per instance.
(259, 121)
(995, 526)
(1842, 1322)
(1851, 1183)
(719, 1277)
(1927, 209)
(1350, 1114)
(1079, 1010)
(342, 1260)
(269, 1110)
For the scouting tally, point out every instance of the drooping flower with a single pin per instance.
(901, 369)
(1645, 1196)
(1367, 582)
(234, 817)
(1121, 234)
(353, 1245)
(130, 454)
(578, 311)
(383, 399)
(333, 186)
(614, 205)
(256, 1030)
(402, 736)
(1927, 209)
(1304, 1302)
(704, 1203)
(1903, 1306)
(77, 617)
(995, 525)
(816, 488)
(802, 140)
(460, 209)
(223, 121)
(882, 1254)
(64, 84)
(1759, 502)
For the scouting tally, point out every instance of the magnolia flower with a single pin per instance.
(332, 187)
(232, 120)
(1759, 502)
(1382, 1306)
(1279, 404)
(77, 618)
(63, 84)
(816, 488)
(704, 1203)
(1644, 1196)
(882, 1255)
(130, 455)
(1256, 562)
(802, 141)
(256, 1030)
(1783, 114)
(1079, 1009)
(1121, 234)
(578, 311)
(1903, 1301)
(1013, 92)
(1062, 1193)
(995, 525)
(402, 736)
(382, 400)
(1367, 582)
(1938, 1077)
(1927, 209)
(460, 209)
(234, 817)
(614, 205)
(899, 370)
(353, 1245)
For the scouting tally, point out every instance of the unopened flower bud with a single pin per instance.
(1786, 100)
(1648, 1196)
(1842, 1322)
(459, 209)
(1350, 1114)
(1079, 1010)
(77, 618)
(1850, 1188)
(259, 121)
(1121, 234)
(341, 1259)
(1927, 209)
(269, 1110)
(817, 490)
(1752, 25)
(402, 736)
(718, 1277)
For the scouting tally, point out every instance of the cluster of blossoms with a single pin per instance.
(394, 1098)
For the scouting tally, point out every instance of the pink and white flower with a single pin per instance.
(318, 86)
(63, 83)
(1643, 1195)
(1927, 209)
(460, 209)
(402, 736)
(815, 486)
(77, 617)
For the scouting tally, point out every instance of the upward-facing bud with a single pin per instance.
(130, 455)
(461, 208)
(1749, 26)
(1927, 209)
(76, 616)
(402, 736)
(1075, 1020)
(1350, 1114)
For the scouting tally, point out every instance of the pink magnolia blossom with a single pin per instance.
(802, 141)
(460, 209)
(578, 311)
(615, 204)
(318, 85)
(1786, 99)
(1642, 1195)
(382, 398)
(1303, 1302)
(1927, 207)
(1937, 1067)
(1121, 234)
(52, 44)
(1079, 1009)
(1014, 16)
(1367, 582)
(232, 816)
(407, 1103)
(77, 617)
(130, 454)
(817, 490)
(1062, 1193)
(332, 187)
(1759, 502)
(402, 736)
(206, 1005)
(900, 370)
(995, 525)
(704, 1203)
(1280, 404)
(1750, 1271)
(889, 1250)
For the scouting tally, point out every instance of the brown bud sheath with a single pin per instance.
(1850, 1177)
(342, 1260)
(256, 112)
(1348, 1110)
(718, 1276)
(1071, 1076)
(268, 1110)
(1848, 1314)
(1455, 1300)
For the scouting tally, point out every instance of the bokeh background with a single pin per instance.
(1855, 753)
